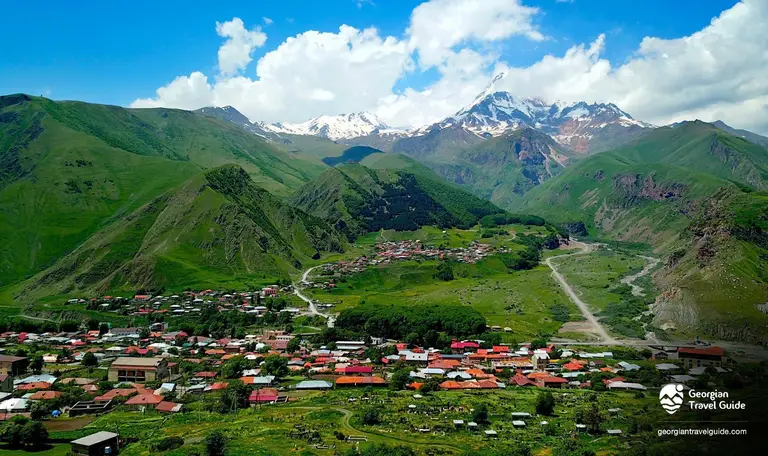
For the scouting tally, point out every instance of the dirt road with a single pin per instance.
(297, 290)
(598, 329)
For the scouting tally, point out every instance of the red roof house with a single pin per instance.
(263, 395)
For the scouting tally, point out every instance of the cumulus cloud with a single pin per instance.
(235, 53)
(440, 25)
(267, 20)
(307, 75)
(720, 72)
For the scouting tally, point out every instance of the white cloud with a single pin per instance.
(235, 53)
(185, 92)
(308, 75)
(267, 20)
(440, 25)
(720, 72)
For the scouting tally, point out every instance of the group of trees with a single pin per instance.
(444, 271)
(37, 326)
(492, 221)
(399, 321)
(22, 432)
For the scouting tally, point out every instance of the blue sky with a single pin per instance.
(118, 52)
(115, 52)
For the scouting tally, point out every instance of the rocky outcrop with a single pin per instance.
(631, 189)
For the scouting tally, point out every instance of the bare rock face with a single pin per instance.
(631, 189)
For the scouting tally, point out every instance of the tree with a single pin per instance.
(215, 444)
(294, 345)
(39, 410)
(480, 413)
(545, 403)
(275, 365)
(430, 338)
(144, 333)
(444, 271)
(37, 364)
(64, 354)
(538, 343)
(233, 367)
(69, 326)
(590, 415)
(235, 396)
(20, 431)
(412, 338)
(89, 360)
(429, 385)
(34, 434)
(400, 379)
(370, 416)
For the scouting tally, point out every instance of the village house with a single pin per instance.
(96, 444)
(540, 360)
(11, 365)
(125, 369)
(6, 383)
(697, 357)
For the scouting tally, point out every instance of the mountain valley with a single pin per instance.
(170, 198)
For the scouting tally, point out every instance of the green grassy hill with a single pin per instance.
(689, 192)
(217, 229)
(359, 200)
(69, 169)
(702, 147)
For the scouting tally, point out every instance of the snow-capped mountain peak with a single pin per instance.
(342, 126)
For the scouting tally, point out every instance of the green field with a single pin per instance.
(59, 449)
(520, 300)
(295, 427)
(594, 275)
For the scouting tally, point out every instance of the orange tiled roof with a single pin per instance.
(360, 381)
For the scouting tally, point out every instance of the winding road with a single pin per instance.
(297, 290)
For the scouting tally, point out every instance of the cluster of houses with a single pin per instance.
(388, 252)
(135, 361)
(187, 303)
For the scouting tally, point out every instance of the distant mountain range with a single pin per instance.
(343, 126)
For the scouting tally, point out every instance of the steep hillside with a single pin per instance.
(69, 168)
(217, 229)
(705, 219)
(504, 168)
(357, 200)
(716, 279)
(702, 147)
(230, 114)
(437, 143)
(748, 135)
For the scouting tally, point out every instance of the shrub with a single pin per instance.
(545, 403)
(168, 443)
